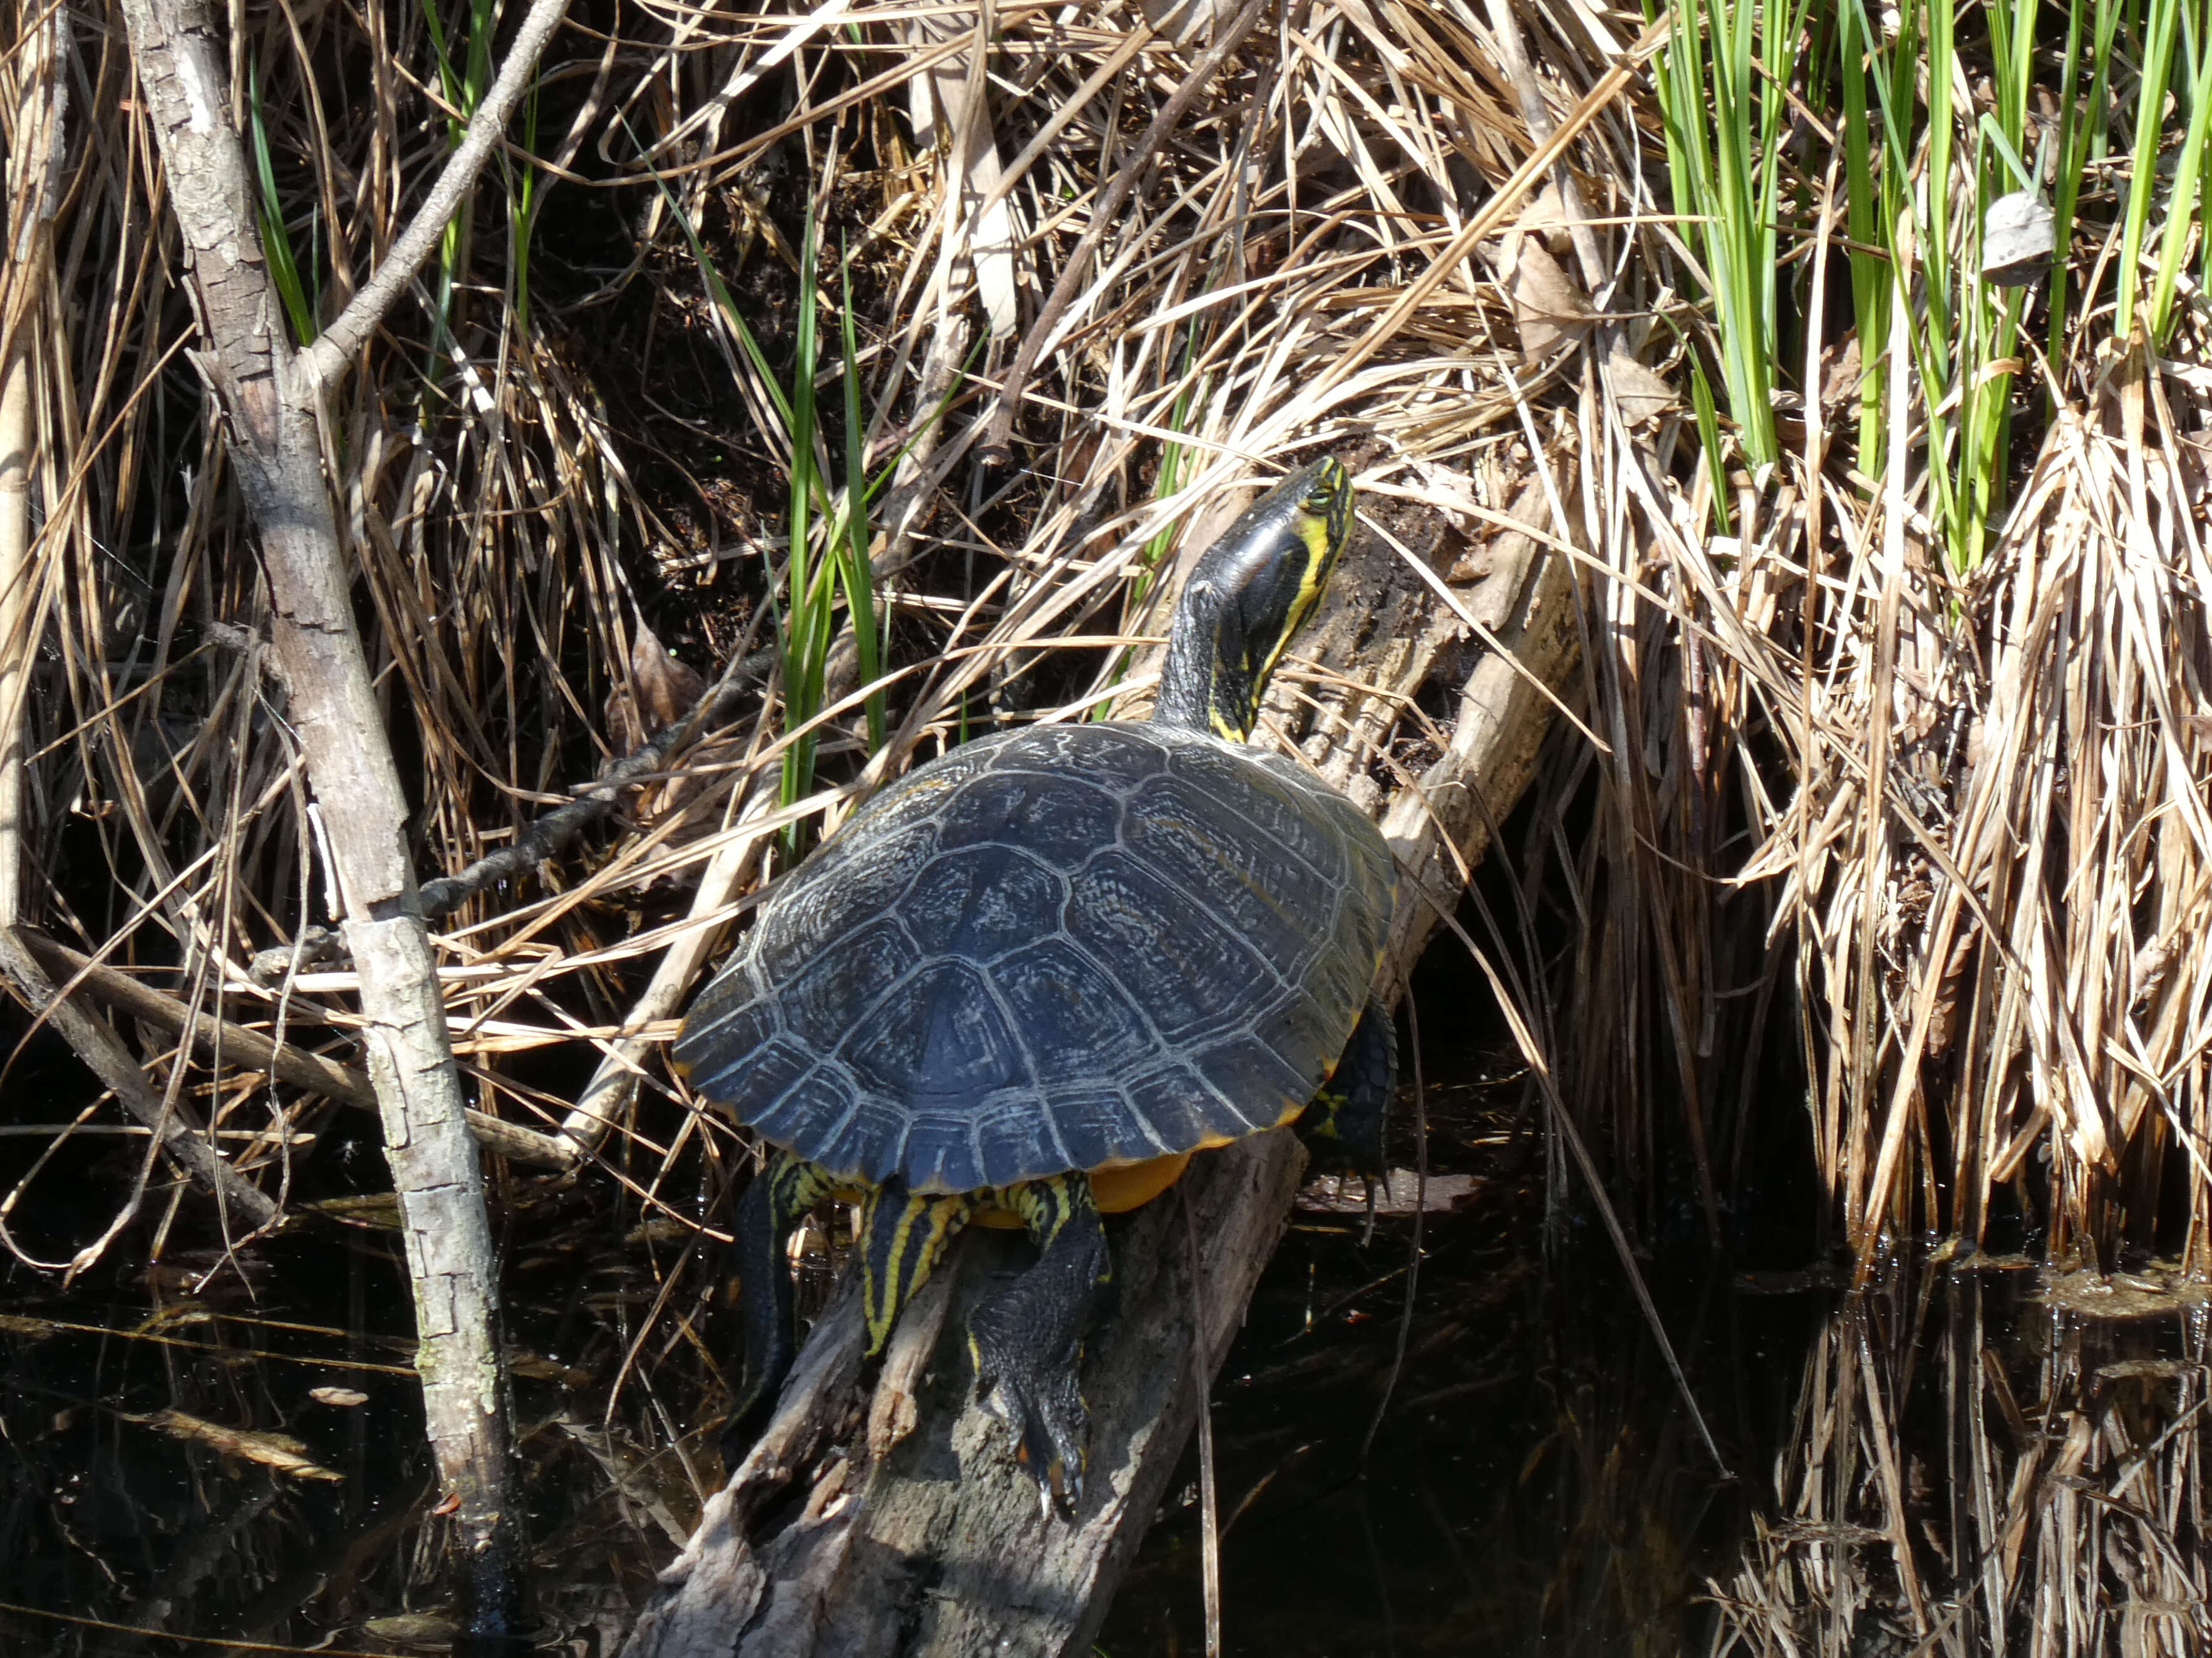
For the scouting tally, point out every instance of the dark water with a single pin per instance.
(227, 1447)
(1536, 1483)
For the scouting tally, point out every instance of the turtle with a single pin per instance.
(1025, 983)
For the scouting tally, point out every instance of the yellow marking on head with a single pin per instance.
(1320, 526)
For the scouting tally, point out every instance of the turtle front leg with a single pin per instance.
(1343, 1127)
(778, 1199)
(1027, 1340)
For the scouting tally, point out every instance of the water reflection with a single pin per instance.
(1988, 1460)
(1952, 1461)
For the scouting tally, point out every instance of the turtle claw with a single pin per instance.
(1040, 1404)
(1027, 1343)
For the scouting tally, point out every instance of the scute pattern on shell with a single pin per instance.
(1063, 948)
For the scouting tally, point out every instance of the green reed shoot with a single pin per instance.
(2082, 126)
(463, 88)
(1177, 461)
(1722, 81)
(275, 241)
(2183, 201)
(2161, 21)
(806, 615)
(1901, 145)
(1709, 435)
(1872, 201)
(854, 574)
(523, 203)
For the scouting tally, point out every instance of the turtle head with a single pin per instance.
(1252, 590)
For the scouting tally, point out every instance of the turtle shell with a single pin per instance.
(1069, 947)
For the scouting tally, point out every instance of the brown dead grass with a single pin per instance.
(1925, 858)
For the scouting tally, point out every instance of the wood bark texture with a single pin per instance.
(274, 443)
(899, 1524)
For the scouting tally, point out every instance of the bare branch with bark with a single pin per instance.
(270, 401)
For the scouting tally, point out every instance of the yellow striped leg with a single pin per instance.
(1343, 1127)
(903, 1236)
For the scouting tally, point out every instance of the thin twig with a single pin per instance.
(180, 1134)
(993, 449)
(1209, 1506)
(321, 363)
(1413, 1249)
(545, 836)
(240, 1045)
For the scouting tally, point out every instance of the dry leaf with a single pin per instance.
(537, 1367)
(1545, 218)
(667, 689)
(1551, 311)
(1642, 393)
(2018, 236)
(431, 1632)
(1184, 22)
(1840, 373)
(279, 1451)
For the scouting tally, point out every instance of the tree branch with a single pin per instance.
(321, 363)
(274, 444)
(209, 1035)
(174, 1124)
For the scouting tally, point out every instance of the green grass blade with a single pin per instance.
(275, 242)
(2181, 202)
(857, 577)
(2142, 179)
(1709, 434)
(807, 602)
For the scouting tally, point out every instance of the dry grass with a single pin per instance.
(511, 555)
(1923, 854)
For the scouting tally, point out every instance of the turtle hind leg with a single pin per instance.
(1027, 1340)
(778, 1197)
(903, 1235)
(1343, 1128)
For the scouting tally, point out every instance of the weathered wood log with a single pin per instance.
(904, 1526)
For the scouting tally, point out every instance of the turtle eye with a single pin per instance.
(1330, 485)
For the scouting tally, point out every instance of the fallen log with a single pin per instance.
(898, 1521)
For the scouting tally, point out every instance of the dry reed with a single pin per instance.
(1918, 857)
